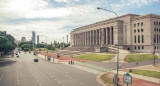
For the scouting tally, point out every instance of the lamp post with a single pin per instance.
(154, 40)
(117, 37)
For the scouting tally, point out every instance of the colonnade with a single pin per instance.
(103, 36)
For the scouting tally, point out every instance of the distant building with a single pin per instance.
(67, 38)
(23, 39)
(136, 34)
(33, 37)
(38, 39)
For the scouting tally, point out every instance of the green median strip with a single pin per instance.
(146, 73)
(139, 57)
(96, 57)
(95, 67)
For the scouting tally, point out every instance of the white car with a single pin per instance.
(17, 56)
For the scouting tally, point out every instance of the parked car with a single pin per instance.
(35, 59)
(17, 55)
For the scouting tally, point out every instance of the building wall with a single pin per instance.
(139, 28)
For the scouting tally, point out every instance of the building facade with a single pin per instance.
(23, 39)
(136, 33)
(33, 38)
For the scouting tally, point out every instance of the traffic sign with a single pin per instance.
(127, 78)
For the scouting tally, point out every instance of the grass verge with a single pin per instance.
(96, 57)
(107, 80)
(146, 73)
(139, 57)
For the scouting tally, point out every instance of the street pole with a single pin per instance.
(154, 52)
(117, 37)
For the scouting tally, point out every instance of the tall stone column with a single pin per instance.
(88, 38)
(102, 36)
(99, 37)
(93, 38)
(85, 37)
(106, 36)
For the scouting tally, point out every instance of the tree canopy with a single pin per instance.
(6, 42)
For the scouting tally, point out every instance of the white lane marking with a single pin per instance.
(81, 83)
(59, 82)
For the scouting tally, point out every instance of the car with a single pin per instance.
(35, 59)
(17, 55)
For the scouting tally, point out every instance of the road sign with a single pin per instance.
(127, 78)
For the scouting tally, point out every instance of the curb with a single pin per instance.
(99, 80)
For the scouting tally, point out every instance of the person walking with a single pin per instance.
(71, 62)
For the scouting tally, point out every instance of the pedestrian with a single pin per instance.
(136, 63)
(71, 62)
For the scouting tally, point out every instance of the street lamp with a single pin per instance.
(154, 40)
(117, 37)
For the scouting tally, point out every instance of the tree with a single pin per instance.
(6, 44)
(25, 46)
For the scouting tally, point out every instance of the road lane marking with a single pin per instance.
(81, 83)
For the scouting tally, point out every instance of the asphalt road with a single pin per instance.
(23, 71)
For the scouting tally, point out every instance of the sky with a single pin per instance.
(57, 18)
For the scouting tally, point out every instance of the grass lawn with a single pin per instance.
(96, 57)
(0, 59)
(139, 57)
(107, 80)
(146, 73)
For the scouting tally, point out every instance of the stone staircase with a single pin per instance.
(122, 54)
(82, 49)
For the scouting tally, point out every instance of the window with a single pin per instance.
(138, 30)
(142, 39)
(135, 47)
(154, 47)
(157, 23)
(141, 30)
(154, 23)
(138, 24)
(138, 38)
(134, 31)
(157, 29)
(134, 39)
(157, 38)
(142, 47)
(142, 24)
(138, 47)
(134, 25)
(157, 47)
(154, 29)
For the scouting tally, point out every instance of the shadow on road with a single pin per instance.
(6, 62)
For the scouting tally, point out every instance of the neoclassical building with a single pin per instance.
(136, 33)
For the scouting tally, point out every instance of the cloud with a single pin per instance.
(65, 0)
(57, 21)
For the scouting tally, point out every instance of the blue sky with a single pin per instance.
(57, 18)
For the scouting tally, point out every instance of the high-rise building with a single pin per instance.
(67, 38)
(38, 39)
(33, 37)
